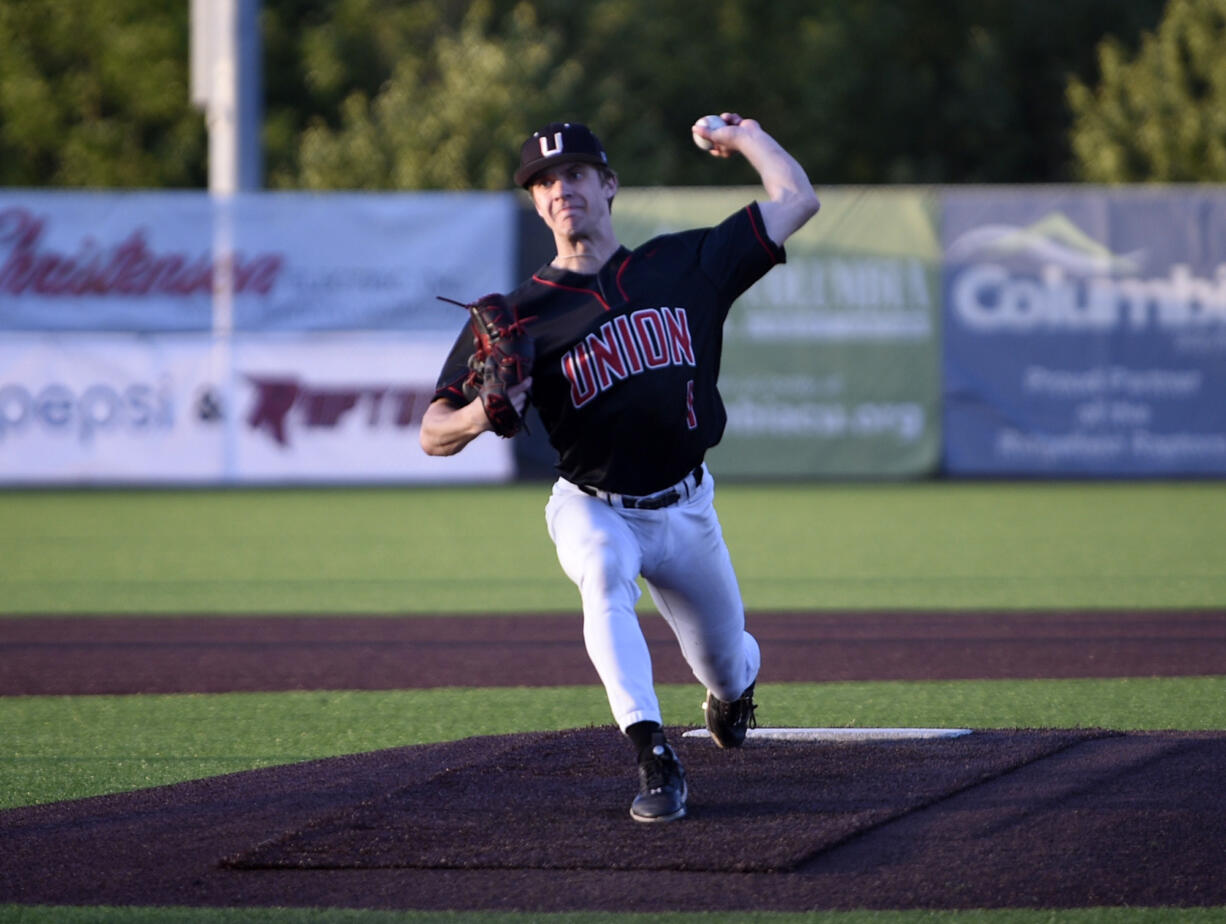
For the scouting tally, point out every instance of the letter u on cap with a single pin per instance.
(558, 143)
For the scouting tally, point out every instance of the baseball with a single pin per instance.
(711, 122)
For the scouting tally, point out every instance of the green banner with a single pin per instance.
(831, 362)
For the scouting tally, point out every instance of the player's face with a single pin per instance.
(572, 199)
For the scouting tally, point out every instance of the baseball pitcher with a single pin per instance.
(619, 351)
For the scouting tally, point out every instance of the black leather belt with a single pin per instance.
(665, 498)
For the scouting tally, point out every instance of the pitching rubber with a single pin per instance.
(838, 735)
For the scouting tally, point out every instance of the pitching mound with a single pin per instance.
(560, 802)
(539, 822)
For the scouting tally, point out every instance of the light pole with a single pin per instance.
(226, 82)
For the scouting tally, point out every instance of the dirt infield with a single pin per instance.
(1024, 818)
(117, 655)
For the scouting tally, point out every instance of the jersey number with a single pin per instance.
(691, 419)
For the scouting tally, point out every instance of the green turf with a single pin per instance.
(273, 551)
(62, 747)
(796, 546)
(419, 550)
(979, 545)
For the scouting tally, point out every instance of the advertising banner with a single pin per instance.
(106, 408)
(347, 407)
(1085, 332)
(99, 408)
(831, 362)
(183, 261)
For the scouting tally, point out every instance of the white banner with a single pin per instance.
(296, 261)
(346, 407)
(105, 407)
(190, 408)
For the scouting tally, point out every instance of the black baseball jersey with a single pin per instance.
(627, 359)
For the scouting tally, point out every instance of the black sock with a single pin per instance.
(640, 735)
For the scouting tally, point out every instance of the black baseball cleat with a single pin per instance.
(727, 722)
(662, 789)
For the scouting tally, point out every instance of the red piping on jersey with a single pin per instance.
(621, 269)
(760, 235)
(557, 285)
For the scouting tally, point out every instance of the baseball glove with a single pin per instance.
(501, 362)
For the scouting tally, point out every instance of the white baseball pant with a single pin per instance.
(680, 552)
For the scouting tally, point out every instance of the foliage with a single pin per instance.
(95, 94)
(321, 56)
(1161, 114)
(867, 92)
(441, 120)
(414, 94)
(874, 91)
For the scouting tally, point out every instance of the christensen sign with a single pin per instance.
(128, 268)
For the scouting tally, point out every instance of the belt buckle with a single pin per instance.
(656, 501)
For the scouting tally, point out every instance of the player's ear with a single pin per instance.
(537, 202)
(610, 184)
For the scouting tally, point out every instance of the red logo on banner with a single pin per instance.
(129, 268)
(323, 407)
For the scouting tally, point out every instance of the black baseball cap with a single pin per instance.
(559, 143)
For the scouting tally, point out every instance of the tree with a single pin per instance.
(1158, 116)
(870, 91)
(322, 55)
(423, 94)
(450, 118)
(862, 91)
(95, 94)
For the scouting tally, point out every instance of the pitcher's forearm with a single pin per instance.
(446, 429)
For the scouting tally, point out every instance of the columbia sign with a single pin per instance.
(988, 297)
(1085, 332)
(1051, 275)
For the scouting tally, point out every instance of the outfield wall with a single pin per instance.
(165, 338)
(271, 338)
(1085, 332)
